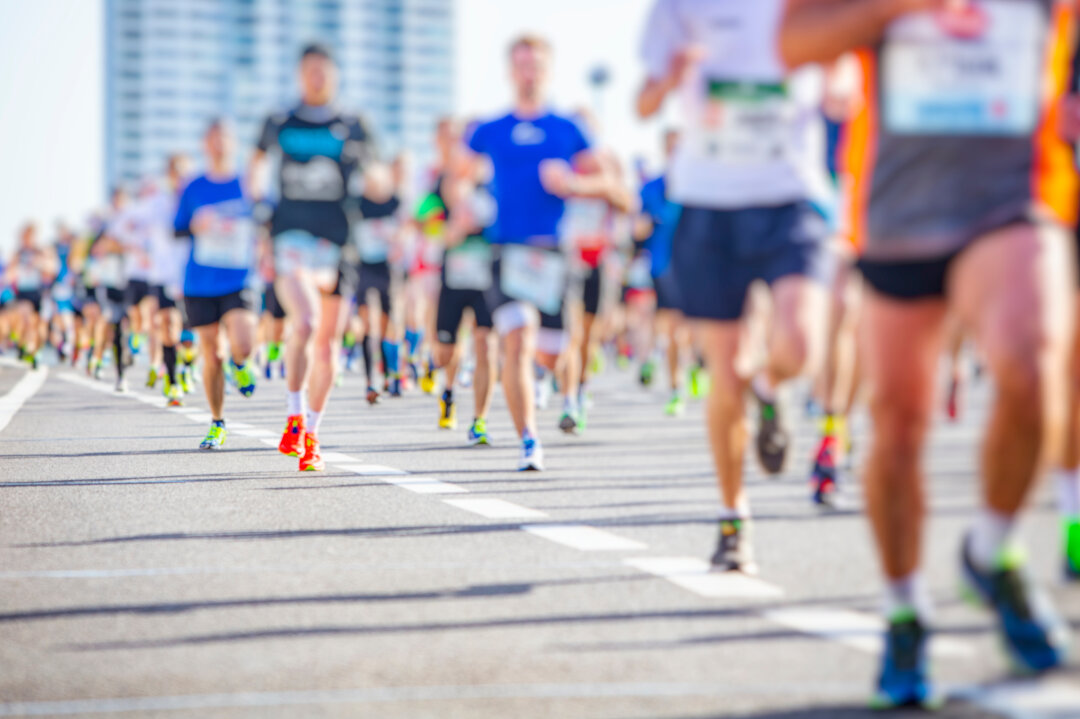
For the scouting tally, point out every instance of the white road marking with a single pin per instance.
(178, 410)
(270, 441)
(695, 575)
(423, 485)
(23, 390)
(495, 508)
(238, 426)
(855, 629)
(1026, 698)
(254, 433)
(369, 470)
(338, 458)
(583, 537)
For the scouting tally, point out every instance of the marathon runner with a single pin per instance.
(466, 277)
(140, 301)
(321, 149)
(532, 151)
(378, 235)
(65, 321)
(661, 216)
(215, 219)
(29, 272)
(749, 165)
(979, 229)
(167, 260)
(109, 269)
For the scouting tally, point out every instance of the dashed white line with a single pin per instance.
(23, 390)
(369, 470)
(495, 508)
(855, 629)
(584, 537)
(338, 458)
(695, 575)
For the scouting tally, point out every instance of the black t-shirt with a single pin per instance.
(321, 151)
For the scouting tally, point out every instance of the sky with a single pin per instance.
(51, 87)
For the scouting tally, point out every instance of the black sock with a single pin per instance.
(365, 347)
(168, 353)
(118, 348)
(448, 395)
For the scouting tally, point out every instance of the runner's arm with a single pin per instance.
(823, 30)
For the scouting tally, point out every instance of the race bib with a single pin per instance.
(317, 180)
(977, 73)
(586, 223)
(299, 250)
(228, 244)
(373, 239)
(468, 267)
(63, 292)
(742, 123)
(110, 272)
(534, 276)
(29, 278)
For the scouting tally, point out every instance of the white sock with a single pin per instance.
(1067, 482)
(311, 425)
(569, 404)
(765, 391)
(727, 513)
(989, 536)
(910, 592)
(295, 402)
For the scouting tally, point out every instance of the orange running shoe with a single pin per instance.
(292, 442)
(312, 460)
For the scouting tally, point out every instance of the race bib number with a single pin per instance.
(975, 72)
(534, 276)
(299, 250)
(373, 239)
(229, 244)
(586, 223)
(742, 123)
(468, 267)
(29, 279)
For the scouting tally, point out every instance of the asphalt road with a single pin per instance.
(422, 578)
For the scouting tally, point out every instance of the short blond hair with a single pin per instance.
(530, 41)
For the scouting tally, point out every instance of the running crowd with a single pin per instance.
(858, 189)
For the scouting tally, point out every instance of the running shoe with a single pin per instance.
(447, 413)
(675, 406)
(175, 396)
(698, 382)
(312, 460)
(1035, 637)
(427, 381)
(244, 377)
(292, 441)
(215, 438)
(372, 395)
(824, 475)
(268, 370)
(648, 369)
(734, 552)
(187, 379)
(568, 423)
(121, 385)
(772, 438)
(135, 342)
(1072, 549)
(393, 387)
(532, 456)
(96, 370)
(543, 393)
(903, 680)
(478, 433)
(152, 378)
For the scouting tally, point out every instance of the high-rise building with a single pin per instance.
(173, 65)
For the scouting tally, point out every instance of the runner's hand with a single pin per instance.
(557, 177)
(683, 62)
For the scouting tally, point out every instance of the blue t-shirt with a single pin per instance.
(664, 215)
(527, 213)
(221, 261)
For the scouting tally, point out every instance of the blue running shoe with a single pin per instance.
(1034, 636)
(904, 667)
(215, 438)
(244, 377)
(478, 433)
(532, 456)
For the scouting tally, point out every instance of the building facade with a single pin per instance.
(173, 65)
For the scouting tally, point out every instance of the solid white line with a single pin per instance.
(370, 470)
(422, 485)
(495, 508)
(23, 390)
(695, 575)
(583, 537)
(855, 629)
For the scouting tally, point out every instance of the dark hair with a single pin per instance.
(316, 49)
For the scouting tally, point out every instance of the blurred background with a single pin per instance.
(96, 92)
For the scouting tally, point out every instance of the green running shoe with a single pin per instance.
(478, 433)
(1071, 526)
(187, 379)
(648, 369)
(699, 382)
(244, 377)
(676, 406)
(215, 438)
